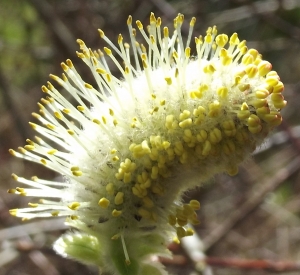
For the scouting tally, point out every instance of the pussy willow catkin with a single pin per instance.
(132, 146)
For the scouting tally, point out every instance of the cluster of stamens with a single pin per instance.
(172, 115)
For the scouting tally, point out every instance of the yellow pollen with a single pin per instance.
(116, 213)
(119, 198)
(104, 202)
(74, 205)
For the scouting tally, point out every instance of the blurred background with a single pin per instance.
(250, 223)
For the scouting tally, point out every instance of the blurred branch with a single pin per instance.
(276, 21)
(32, 228)
(59, 29)
(247, 11)
(267, 186)
(279, 266)
(15, 113)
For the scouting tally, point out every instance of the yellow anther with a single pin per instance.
(208, 38)
(101, 33)
(43, 161)
(88, 86)
(214, 109)
(168, 80)
(154, 172)
(182, 221)
(58, 115)
(108, 78)
(129, 20)
(147, 202)
(209, 69)
(158, 22)
(278, 88)
(171, 123)
(103, 202)
(54, 213)
(110, 188)
(251, 70)
(77, 173)
(50, 126)
(274, 119)
(206, 148)
(186, 123)
(234, 39)
(97, 121)
(189, 232)
(221, 40)
(29, 147)
(11, 191)
(254, 124)
(166, 32)
(258, 103)
(52, 151)
(247, 59)
(188, 211)
(253, 52)
(261, 112)
(242, 44)
(100, 71)
(273, 73)
(264, 67)
(262, 93)
(228, 147)
(21, 190)
(188, 133)
(187, 52)
(139, 24)
(13, 212)
(222, 92)
(166, 144)
(195, 204)
(80, 108)
(33, 205)
(278, 100)
(202, 136)
(115, 158)
(152, 18)
(226, 60)
(215, 136)
(64, 66)
(180, 231)
(193, 21)
(232, 171)
(119, 198)
(229, 128)
(272, 80)
(127, 177)
(172, 220)
(69, 63)
(74, 205)
(116, 213)
(120, 39)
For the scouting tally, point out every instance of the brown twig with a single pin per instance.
(267, 265)
(15, 113)
(267, 186)
(59, 29)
